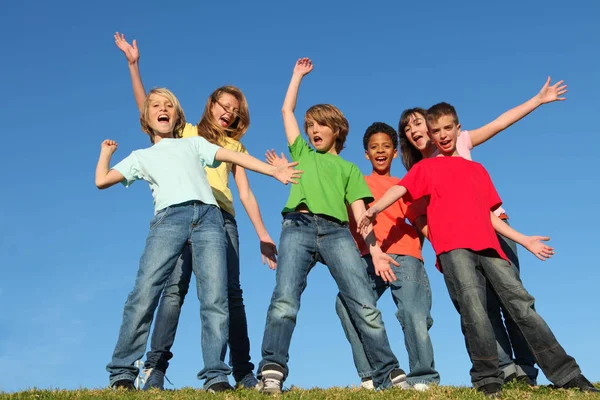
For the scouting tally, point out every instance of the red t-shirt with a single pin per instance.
(392, 232)
(461, 196)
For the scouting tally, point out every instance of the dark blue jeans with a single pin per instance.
(509, 338)
(169, 309)
(305, 240)
(202, 226)
(467, 274)
(412, 295)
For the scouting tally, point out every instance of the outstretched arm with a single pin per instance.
(284, 173)
(547, 94)
(106, 177)
(292, 130)
(133, 57)
(267, 245)
(381, 261)
(532, 243)
(390, 197)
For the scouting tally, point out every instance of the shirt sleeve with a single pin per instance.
(207, 152)
(357, 188)
(298, 148)
(130, 168)
(464, 145)
(417, 181)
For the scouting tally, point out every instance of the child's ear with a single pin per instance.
(367, 155)
(395, 153)
(458, 127)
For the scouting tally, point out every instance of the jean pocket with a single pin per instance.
(159, 217)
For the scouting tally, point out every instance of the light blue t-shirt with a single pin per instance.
(174, 168)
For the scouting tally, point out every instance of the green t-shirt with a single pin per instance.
(329, 183)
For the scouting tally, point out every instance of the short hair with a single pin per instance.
(331, 117)
(440, 110)
(410, 154)
(179, 115)
(380, 127)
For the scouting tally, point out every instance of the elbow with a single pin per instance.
(101, 184)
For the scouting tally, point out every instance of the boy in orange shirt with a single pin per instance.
(410, 287)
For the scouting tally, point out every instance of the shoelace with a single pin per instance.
(271, 383)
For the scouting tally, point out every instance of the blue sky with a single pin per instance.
(69, 252)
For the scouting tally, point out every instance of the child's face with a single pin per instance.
(444, 132)
(321, 137)
(416, 132)
(225, 110)
(161, 115)
(380, 151)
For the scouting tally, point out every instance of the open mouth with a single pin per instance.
(381, 160)
(163, 118)
(317, 140)
(418, 139)
(445, 143)
(225, 121)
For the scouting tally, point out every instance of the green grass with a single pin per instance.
(511, 392)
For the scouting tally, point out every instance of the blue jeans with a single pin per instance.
(202, 226)
(169, 309)
(508, 336)
(412, 295)
(466, 274)
(306, 239)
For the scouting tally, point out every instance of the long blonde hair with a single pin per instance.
(179, 115)
(213, 132)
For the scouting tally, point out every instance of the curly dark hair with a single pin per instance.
(380, 127)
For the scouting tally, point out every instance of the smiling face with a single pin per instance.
(380, 152)
(321, 136)
(161, 115)
(444, 132)
(225, 110)
(416, 132)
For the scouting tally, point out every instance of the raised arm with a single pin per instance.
(532, 243)
(106, 177)
(548, 94)
(268, 249)
(284, 173)
(292, 130)
(133, 57)
(390, 197)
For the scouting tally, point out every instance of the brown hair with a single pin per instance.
(179, 115)
(331, 117)
(439, 110)
(213, 132)
(410, 154)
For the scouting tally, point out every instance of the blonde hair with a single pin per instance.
(209, 129)
(179, 115)
(331, 117)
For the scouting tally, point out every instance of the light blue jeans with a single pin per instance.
(412, 295)
(202, 226)
(305, 240)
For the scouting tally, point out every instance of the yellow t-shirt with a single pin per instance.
(218, 178)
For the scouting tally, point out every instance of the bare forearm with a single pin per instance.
(390, 197)
(505, 230)
(290, 124)
(245, 160)
(422, 226)
(291, 96)
(139, 93)
(251, 206)
(102, 170)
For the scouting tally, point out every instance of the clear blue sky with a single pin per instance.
(69, 252)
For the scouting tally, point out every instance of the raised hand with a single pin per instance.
(108, 146)
(381, 262)
(287, 174)
(552, 93)
(303, 66)
(365, 220)
(268, 250)
(537, 248)
(273, 159)
(131, 52)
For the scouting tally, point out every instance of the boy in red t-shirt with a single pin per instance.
(461, 228)
(410, 287)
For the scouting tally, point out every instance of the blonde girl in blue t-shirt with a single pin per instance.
(224, 121)
(185, 212)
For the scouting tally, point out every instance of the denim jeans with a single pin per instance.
(412, 295)
(169, 309)
(509, 338)
(202, 226)
(306, 239)
(466, 273)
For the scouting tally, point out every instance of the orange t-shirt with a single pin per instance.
(392, 232)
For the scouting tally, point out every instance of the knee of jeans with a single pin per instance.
(284, 307)
(522, 305)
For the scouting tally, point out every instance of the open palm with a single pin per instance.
(552, 93)
(131, 52)
(303, 66)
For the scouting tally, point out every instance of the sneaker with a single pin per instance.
(219, 387)
(491, 390)
(271, 379)
(581, 383)
(125, 384)
(155, 379)
(398, 377)
(367, 383)
(421, 387)
(510, 378)
(248, 382)
(526, 380)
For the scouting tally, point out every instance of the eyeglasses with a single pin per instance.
(228, 109)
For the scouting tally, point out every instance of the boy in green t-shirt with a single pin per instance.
(315, 228)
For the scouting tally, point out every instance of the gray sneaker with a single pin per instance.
(398, 378)
(248, 382)
(155, 379)
(271, 379)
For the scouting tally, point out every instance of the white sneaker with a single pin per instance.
(398, 378)
(367, 383)
(271, 379)
(421, 387)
